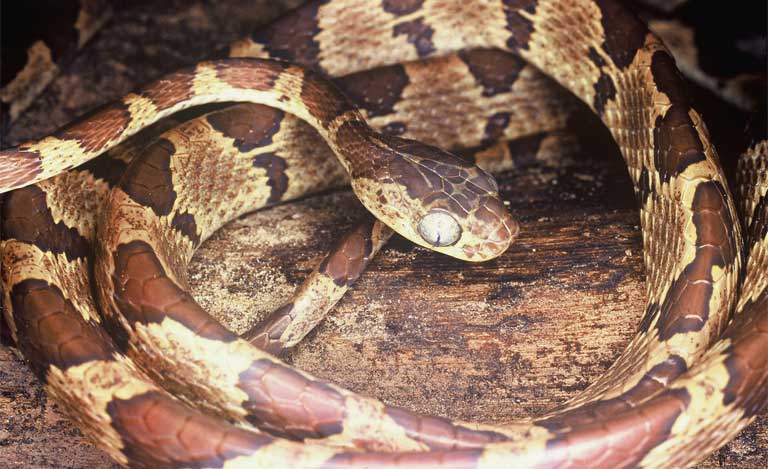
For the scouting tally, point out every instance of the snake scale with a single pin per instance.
(690, 379)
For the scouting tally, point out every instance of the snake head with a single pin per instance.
(436, 199)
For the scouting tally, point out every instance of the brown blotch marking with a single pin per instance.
(605, 91)
(401, 7)
(323, 100)
(438, 176)
(525, 149)
(145, 294)
(277, 179)
(375, 91)
(418, 33)
(440, 433)
(494, 70)
(420, 184)
(394, 128)
(23, 166)
(712, 219)
(747, 358)
(357, 146)
(171, 90)
(594, 412)
(495, 127)
(94, 130)
(429, 155)
(254, 74)
(642, 428)
(686, 306)
(643, 190)
(185, 224)
(651, 312)
(293, 36)
(595, 57)
(161, 432)
(676, 144)
(148, 179)
(250, 125)
(624, 32)
(520, 27)
(759, 228)
(266, 334)
(668, 78)
(290, 404)
(27, 217)
(347, 260)
(105, 167)
(52, 331)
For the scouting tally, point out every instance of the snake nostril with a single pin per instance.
(439, 229)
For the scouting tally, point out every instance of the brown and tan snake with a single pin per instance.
(690, 379)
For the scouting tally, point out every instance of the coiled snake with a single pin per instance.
(684, 385)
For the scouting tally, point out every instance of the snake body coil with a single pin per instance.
(684, 385)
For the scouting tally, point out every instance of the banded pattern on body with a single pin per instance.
(660, 384)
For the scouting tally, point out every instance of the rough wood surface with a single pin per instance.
(488, 342)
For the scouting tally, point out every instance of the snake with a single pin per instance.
(690, 379)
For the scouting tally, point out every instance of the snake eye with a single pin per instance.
(439, 229)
